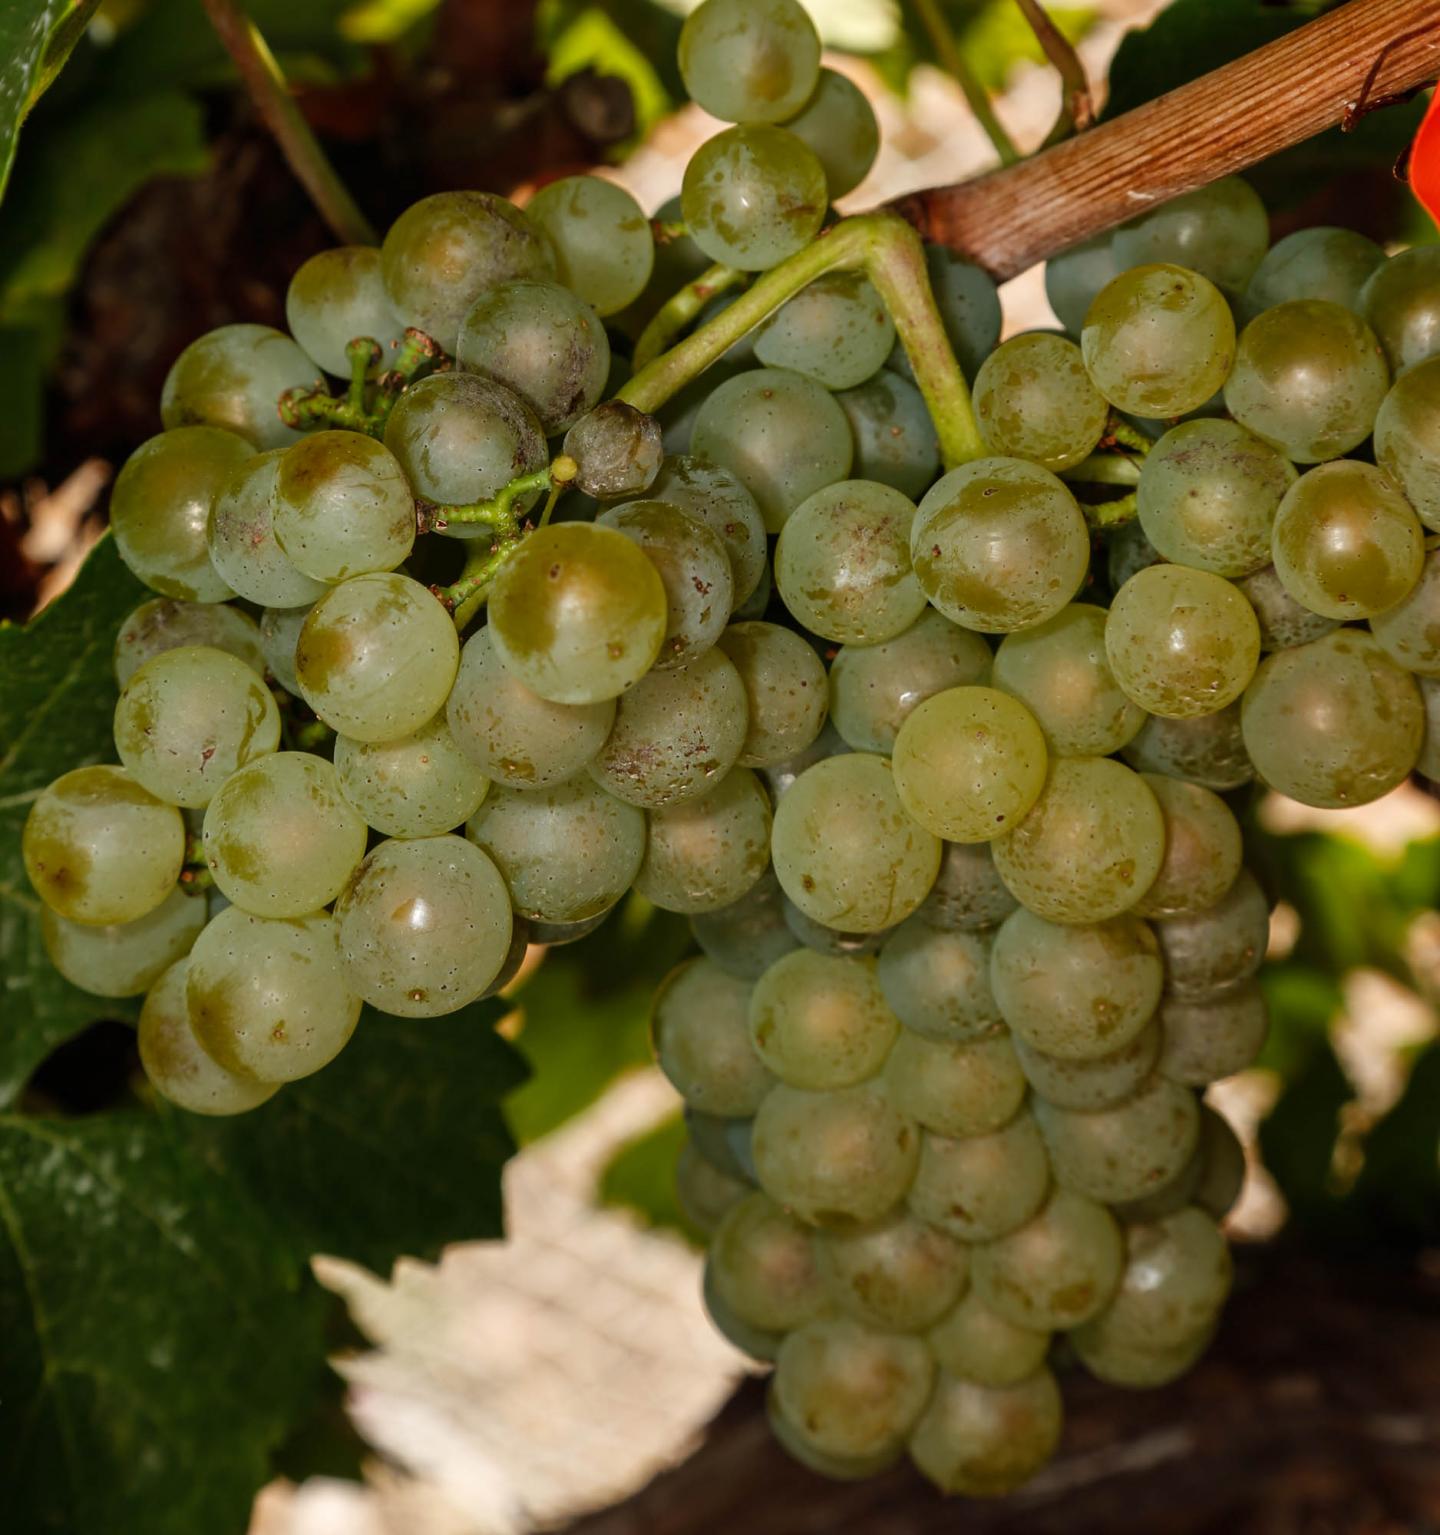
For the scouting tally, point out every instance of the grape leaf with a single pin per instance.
(36, 37)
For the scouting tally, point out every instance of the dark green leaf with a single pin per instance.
(1297, 1139)
(1399, 1184)
(20, 428)
(641, 1177)
(1302, 1001)
(36, 37)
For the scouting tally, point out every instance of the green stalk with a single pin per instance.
(676, 313)
(952, 61)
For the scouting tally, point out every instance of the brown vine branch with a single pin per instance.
(1307, 81)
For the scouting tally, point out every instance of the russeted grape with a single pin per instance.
(844, 849)
(1207, 496)
(577, 613)
(761, 1265)
(241, 538)
(781, 434)
(1034, 400)
(424, 927)
(1089, 847)
(1333, 723)
(1320, 262)
(1203, 849)
(336, 297)
(1308, 379)
(1346, 543)
(978, 1187)
(956, 1088)
(166, 624)
(748, 936)
(617, 450)
(832, 1157)
(600, 237)
(717, 498)
(753, 195)
(842, 563)
(1059, 670)
(838, 123)
(1208, 750)
(1407, 438)
(1401, 300)
(785, 690)
(566, 852)
(968, 892)
(1076, 276)
(1223, 944)
(268, 997)
(701, 1034)
(416, 786)
(1220, 231)
(937, 980)
(1409, 632)
(279, 635)
(233, 377)
(1075, 992)
(1181, 642)
(1058, 1270)
(189, 718)
(820, 1022)
(975, 1343)
(160, 509)
(895, 441)
(1209, 1038)
(705, 854)
(176, 1065)
(1174, 1195)
(749, 61)
(1128, 1365)
(836, 331)
(1158, 340)
(123, 959)
(705, 1193)
(1124, 1151)
(985, 1441)
(896, 1273)
(999, 544)
(969, 305)
(1283, 621)
(1098, 1082)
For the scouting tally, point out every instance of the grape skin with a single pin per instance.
(749, 61)
(336, 297)
(894, 438)
(838, 123)
(604, 250)
(242, 543)
(717, 498)
(753, 195)
(979, 1187)
(232, 377)
(820, 1022)
(707, 853)
(897, 1273)
(164, 623)
(985, 1441)
(417, 786)
(785, 691)
(123, 959)
(699, 1026)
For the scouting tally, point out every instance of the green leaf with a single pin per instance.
(21, 432)
(1399, 1184)
(36, 37)
(57, 695)
(641, 1177)
(1303, 1001)
(1298, 1138)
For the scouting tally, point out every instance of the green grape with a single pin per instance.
(999, 545)
(694, 568)
(1209, 1038)
(753, 195)
(417, 786)
(1335, 722)
(833, 1157)
(1407, 439)
(233, 378)
(1058, 1270)
(1139, 1368)
(1409, 632)
(977, 1344)
(279, 635)
(176, 1065)
(554, 934)
(1158, 340)
(955, 1088)
(164, 624)
(1308, 379)
(1207, 496)
(838, 123)
(446, 250)
(577, 613)
(101, 849)
(894, 437)
(761, 1265)
(748, 936)
(1346, 542)
(1321, 262)
(678, 416)
(241, 538)
(338, 296)
(1173, 1195)
(717, 498)
(1219, 946)
(281, 840)
(781, 434)
(875, 688)
(1127, 1150)
(836, 331)
(704, 1192)
(969, 763)
(851, 1391)
(1202, 849)
(828, 940)
(1075, 277)
(1079, 993)
(1091, 845)
(1181, 642)
(1099, 1082)
(1220, 231)
(1059, 670)
(600, 238)
(701, 1038)
(896, 1273)
(424, 927)
(845, 852)
(189, 718)
(1208, 750)
(839, 1468)
(566, 852)
(937, 980)
(785, 690)
(820, 1022)
(1129, 551)
(725, 1142)
(981, 1186)
(756, 1344)
(1034, 400)
(986, 1441)
(617, 451)
(676, 734)
(514, 736)
(705, 854)
(376, 657)
(749, 61)
(1222, 1165)
(780, 776)
(969, 305)
(968, 892)
(1428, 761)
(1399, 300)
(160, 509)
(342, 507)
(123, 959)
(1283, 621)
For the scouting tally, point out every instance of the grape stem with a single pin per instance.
(1104, 469)
(463, 597)
(498, 512)
(676, 313)
(891, 255)
(1102, 516)
(953, 62)
(312, 409)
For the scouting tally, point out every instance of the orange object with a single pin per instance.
(1425, 160)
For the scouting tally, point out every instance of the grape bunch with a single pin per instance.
(942, 767)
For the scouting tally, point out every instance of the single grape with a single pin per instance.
(1399, 300)
(617, 451)
(717, 498)
(999, 545)
(1283, 621)
(820, 1022)
(1219, 946)
(1203, 849)
(424, 927)
(749, 61)
(1207, 1039)
(417, 786)
(748, 936)
(1139, 1368)
(986, 1441)
(838, 123)
(968, 893)
(969, 305)
(704, 855)
(979, 1187)
(785, 691)
(279, 635)
(1208, 750)
(1058, 1270)
(761, 1265)
(242, 543)
(1075, 277)
(953, 1087)
(165, 624)
(836, 331)
(1127, 1150)
(704, 1192)
(896, 1273)
(937, 981)
(753, 195)
(701, 1039)
(978, 1344)
(1321, 262)
(895, 441)
(123, 959)
(600, 238)
(1220, 231)
(233, 377)
(1407, 438)
(1099, 1082)
(336, 297)
(1034, 400)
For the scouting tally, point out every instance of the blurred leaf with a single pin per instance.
(1303, 1002)
(22, 414)
(999, 37)
(1399, 1184)
(641, 1177)
(592, 39)
(385, 21)
(36, 37)
(1297, 1138)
